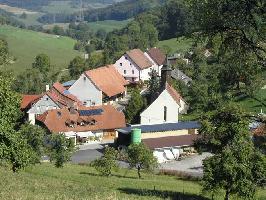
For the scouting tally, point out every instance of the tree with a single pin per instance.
(58, 30)
(23, 15)
(42, 63)
(153, 86)
(34, 135)
(141, 158)
(76, 67)
(29, 82)
(237, 167)
(134, 107)
(236, 30)
(60, 149)
(13, 149)
(4, 53)
(107, 162)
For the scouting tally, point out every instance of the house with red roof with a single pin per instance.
(55, 98)
(98, 86)
(83, 122)
(135, 65)
(167, 106)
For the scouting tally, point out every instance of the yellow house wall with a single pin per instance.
(163, 134)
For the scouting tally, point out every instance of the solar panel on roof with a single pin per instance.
(90, 112)
(66, 92)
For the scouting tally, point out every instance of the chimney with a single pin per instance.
(165, 73)
(47, 88)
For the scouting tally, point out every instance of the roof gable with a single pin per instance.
(173, 93)
(138, 57)
(157, 55)
(27, 100)
(108, 80)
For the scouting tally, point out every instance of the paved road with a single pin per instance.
(191, 165)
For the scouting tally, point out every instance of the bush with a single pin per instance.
(107, 163)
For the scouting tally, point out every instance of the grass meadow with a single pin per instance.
(175, 45)
(24, 45)
(82, 182)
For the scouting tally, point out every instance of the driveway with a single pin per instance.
(191, 165)
(89, 152)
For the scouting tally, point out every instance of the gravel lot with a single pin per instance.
(190, 165)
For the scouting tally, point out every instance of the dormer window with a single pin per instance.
(59, 114)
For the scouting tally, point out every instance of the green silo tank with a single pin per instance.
(136, 136)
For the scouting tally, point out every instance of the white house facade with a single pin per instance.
(163, 109)
(42, 105)
(86, 91)
(135, 65)
(128, 69)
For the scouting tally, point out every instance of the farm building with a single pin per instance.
(167, 140)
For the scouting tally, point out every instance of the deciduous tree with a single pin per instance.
(141, 158)
(60, 149)
(107, 163)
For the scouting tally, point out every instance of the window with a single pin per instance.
(121, 64)
(133, 72)
(130, 64)
(126, 58)
(125, 71)
(165, 113)
(84, 78)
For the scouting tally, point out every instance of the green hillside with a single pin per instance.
(24, 45)
(109, 25)
(82, 182)
(175, 45)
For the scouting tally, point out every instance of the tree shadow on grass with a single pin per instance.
(113, 175)
(162, 194)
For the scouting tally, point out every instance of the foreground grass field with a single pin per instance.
(24, 45)
(82, 182)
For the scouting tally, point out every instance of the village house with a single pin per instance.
(167, 106)
(55, 98)
(135, 65)
(83, 123)
(98, 86)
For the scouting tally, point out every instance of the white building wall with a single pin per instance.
(127, 68)
(184, 107)
(86, 91)
(44, 104)
(155, 66)
(154, 114)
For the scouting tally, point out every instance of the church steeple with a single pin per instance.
(165, 73)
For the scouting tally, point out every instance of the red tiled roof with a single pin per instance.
(108, 80)
(174, 94)
(27, 100)
(171, 141)
(139, 58)
(56, 120)
(260, 131)
(158, 56)
(59, 87)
